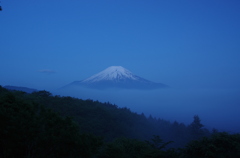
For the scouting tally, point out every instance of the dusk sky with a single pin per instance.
(47, 44)
(182, 43)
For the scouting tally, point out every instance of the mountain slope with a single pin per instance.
(117, 77)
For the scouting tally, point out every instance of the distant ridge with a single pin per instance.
(23, 89)
(116, 77)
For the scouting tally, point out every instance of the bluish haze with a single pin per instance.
(192, 46)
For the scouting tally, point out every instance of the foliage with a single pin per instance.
(30, 130)
(157, 143)
(132, 148)
(42, 125)
(111, 122)
(220, 145)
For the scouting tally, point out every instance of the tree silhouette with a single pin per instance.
(196, 124)
(218, 145)
(196, 127)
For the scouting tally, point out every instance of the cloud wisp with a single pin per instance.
(47, 71)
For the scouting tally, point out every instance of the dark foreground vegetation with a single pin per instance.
(39, 125)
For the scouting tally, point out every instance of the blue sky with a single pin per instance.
(179, 43)
(192, 46)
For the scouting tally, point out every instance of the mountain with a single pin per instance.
(23, 89)
(117, 77)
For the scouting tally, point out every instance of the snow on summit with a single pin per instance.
(112, 73)
(116, 77)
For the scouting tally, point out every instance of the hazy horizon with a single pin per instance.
(173, 104)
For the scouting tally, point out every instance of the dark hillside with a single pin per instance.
(40, 125)
(110, 122)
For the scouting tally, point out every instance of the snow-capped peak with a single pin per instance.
(116, 77)
(112, 73)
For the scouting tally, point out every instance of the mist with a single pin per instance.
(217, 108)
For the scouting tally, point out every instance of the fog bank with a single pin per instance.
(217, 108)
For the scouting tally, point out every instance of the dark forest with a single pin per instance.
(40, 125)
